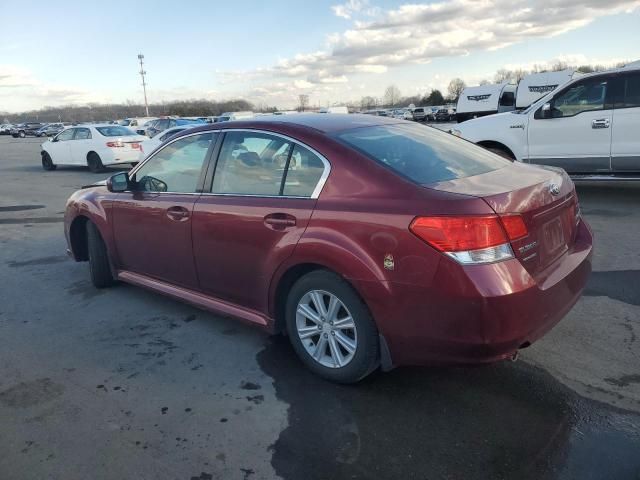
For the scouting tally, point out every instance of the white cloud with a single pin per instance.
(353, 7)
(419, 33)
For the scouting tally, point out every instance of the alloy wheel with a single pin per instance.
(326, 329)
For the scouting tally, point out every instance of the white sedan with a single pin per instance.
(92, 145)
(150, 144)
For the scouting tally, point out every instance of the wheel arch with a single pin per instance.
(78, 238)
(497, 145)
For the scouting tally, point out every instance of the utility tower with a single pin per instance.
(144, 83)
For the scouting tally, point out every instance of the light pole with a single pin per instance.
(144, 83)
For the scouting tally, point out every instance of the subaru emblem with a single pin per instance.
(554, 189)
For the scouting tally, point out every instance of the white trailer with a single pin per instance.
(484, 100)
(534, 86)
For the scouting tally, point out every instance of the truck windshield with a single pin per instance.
(422, 154)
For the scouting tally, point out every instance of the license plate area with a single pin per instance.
(553, 234)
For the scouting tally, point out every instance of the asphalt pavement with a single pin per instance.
(127, 384)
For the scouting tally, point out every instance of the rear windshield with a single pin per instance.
(115, 131)
(422, 154)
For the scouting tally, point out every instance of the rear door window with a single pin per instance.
(251, 163)
(632, 91)
(422, 154)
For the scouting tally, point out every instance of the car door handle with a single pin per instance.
(280, 221)
(178, 214)
(600, 123)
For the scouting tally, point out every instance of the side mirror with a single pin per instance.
(544, 111)
(119, 182)
(51, 139)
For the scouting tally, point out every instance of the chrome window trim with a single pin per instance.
(314, 195)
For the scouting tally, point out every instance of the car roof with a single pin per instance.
(325, 122)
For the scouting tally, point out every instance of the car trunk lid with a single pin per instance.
(544, 197)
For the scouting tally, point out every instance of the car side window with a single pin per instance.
(66, 135)
(583, 96)
(251, 163)
(176, 168)
(632, 91)
(304, 172)
(82, 134)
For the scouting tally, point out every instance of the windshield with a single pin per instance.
(422, 154)
(115, 131)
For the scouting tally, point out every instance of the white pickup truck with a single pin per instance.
(589, 126)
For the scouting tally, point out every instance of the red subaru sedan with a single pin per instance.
(371, 242)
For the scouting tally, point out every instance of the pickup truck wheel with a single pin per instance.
(47, 163)
(94, 162)
(331, 328)
(99, 266)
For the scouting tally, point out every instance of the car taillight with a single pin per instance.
(136, 146)
(116, 144)
(471, 239)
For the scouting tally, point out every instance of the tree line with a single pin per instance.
(106, 112)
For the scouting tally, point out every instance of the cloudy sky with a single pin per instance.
(54, 53)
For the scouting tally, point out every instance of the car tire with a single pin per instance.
(357, 347)
(99, 266)
(22, 134)
(94, 162)
(47, 162)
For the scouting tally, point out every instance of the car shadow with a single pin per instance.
(507, 420)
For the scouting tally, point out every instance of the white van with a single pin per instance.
(484, 100)
(589, 126)
(536, 85)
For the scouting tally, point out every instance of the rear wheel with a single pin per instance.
(22, 134)
(331, 328)
(94, 162)
(99, 266)
(47, 163)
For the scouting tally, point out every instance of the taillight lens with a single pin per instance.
(471, 239)
(116, 144)
(514, 226)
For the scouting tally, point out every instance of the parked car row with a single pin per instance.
(445, 113)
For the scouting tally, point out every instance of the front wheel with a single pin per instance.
(331, 328)
(47, 163)
(99, 266)
(22, 134)
(94, 162)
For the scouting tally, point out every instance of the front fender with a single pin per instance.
(92, 204)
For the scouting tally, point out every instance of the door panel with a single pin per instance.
(260, 207)
(239, 242)
(80, 146)
(578, 136)
(152, 239)
(59, 150)
(152, 224)
(625, 140)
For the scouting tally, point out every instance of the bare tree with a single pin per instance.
(484, 82)
(503, 75)
(391, 95)
(303, 102)
(368, 102)
(455, 88)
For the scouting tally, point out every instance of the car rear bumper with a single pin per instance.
(477, 314)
